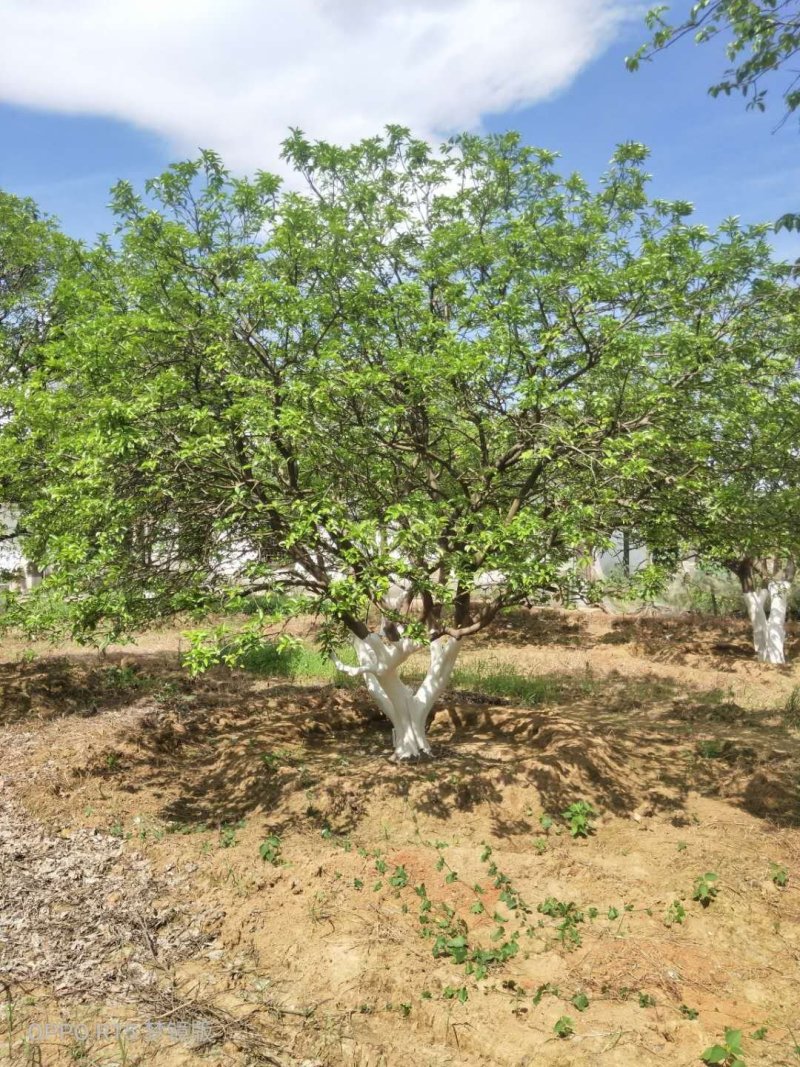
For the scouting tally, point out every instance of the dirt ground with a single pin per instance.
(232, 868)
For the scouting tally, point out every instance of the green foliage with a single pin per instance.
(506, 681)
(779, 875)
(728, 1053)
(227, 834)
(791, 710)
(270, 850)
(705, 888)
(675, 914)
(570, 916)
(410, 369)
(33, 256)
(761, 37)
(706, 590)
(712, 749)
(578, 817)
(564, 1026)
(277, 605)
(399, 878)
(247, 649)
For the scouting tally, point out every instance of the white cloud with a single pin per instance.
(235, 74)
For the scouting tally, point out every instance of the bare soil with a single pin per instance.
(134, 802)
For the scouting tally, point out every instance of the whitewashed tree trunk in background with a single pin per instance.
(756, 602)
(776, 623)
(769, 630)
(407, 710)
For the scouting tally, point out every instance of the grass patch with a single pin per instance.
(504, 680)
(485, 677)
(300, 663)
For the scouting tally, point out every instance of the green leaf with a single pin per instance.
(714, 1054)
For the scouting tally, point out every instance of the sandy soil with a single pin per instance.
(151, 795)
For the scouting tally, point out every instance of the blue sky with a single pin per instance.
(65, 143)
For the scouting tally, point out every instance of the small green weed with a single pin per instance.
(578, 817)
(705, 888)
(270, 850)
(728, 1053)
(564, 1027)
(713, 749)
(675, 914)
(779, 875)
(227, 833)
(791, 710)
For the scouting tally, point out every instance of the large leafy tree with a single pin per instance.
(32, 252)
(738, 506)
(413, 390)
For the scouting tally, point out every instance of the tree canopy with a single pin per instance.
(31, 251)
(436, 373)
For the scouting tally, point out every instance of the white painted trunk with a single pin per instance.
(769, 630)
(776, 623)
(756, 602)
(407, 710)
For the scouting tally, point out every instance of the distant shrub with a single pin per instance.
(277, 604)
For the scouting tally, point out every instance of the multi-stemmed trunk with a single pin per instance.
(407, 709)
(769, 629)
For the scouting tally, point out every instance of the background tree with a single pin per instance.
(31, 252)
(739, 508)
(411, 391)
(762, 38)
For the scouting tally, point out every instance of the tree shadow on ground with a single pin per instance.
(317, 757)
(41, 690)
(519, 627)
(230, 745)
(666, 637)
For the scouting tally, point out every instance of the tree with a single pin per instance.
(410, 391)
(31, 250)
(752, 522)
(762, 38)
(740, 508)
